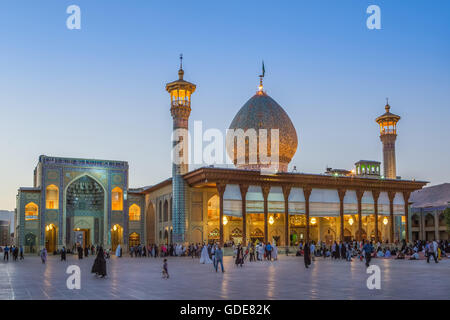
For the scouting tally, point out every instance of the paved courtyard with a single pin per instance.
(287, 278)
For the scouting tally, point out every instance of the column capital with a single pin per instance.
(391, 195)
(375, 195)
(341, 193)
(359, 194)
(243, 188)
(265, 188)
(286, 191)
(307, 192)
(406, 195)
(221, 188)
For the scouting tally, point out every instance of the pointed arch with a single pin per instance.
(31, 211)
(52, 197)
(117, 199)
(134, 212)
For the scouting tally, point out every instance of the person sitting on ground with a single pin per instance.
(387, 253)
(414, 256)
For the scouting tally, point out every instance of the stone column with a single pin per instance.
(307, 194)
(341, 193)
(376, 195)
(221, 190)
(436, 225)
(286, 192)
(406, 195)
(244, 189)
(359, 195)
(265, 191)
(391, 195)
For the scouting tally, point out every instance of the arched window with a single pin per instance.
(135, 213)
(117, 199)
(166, 211)
(160, 211)
(52, 197)
(31, 211)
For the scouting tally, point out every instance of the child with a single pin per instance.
(165, 271)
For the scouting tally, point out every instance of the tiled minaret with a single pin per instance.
(180, 109)
(388, 135)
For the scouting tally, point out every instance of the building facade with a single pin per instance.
(427, 213)
(78, 200)
(89, 201)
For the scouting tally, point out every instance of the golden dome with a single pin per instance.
(262, 112)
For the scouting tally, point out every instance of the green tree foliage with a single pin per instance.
(447, 218)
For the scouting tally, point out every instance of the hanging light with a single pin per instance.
(313, 221)
(350, 221)
(115, 227)
(47, 228)
(271, 220)
(385, 221)
(225, 220)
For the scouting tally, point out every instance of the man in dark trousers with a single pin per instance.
(368, 248)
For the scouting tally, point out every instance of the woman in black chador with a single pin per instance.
(239, 256)
(99, 267)
(307, 254)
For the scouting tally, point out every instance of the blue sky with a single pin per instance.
(99, 92)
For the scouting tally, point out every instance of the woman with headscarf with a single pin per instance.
(44, 255)
(239, 256)
(99, 267)
(205, 259)
(118, 249)
(307, 255)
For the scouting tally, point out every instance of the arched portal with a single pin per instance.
(134, 240)
(116, 236)
(85, 212)
(30, 243)
(51, 238)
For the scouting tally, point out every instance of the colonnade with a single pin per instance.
(265, 188)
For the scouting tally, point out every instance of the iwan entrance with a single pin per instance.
(85, 209)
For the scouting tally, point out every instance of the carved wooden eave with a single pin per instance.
(210, 176)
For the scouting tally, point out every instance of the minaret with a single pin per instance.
(388, 135)
(180, 109)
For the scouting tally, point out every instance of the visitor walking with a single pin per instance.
(63, 254)
(368, 248)
(205, 256)
(239, 256)
(44, 255)
(21, 253)
(307, 255)
(219, 258)
(6, 253)
(99, 267)
(269, 251)
(432, 251)
(165, 270)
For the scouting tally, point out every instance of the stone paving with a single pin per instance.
(287, 278)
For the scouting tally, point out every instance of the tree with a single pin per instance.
(447, 218)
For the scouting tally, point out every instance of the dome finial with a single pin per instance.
(387, 107)
(261, 76)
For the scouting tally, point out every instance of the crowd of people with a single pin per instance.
(213, 253)
(13, 252)
(368, 249)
